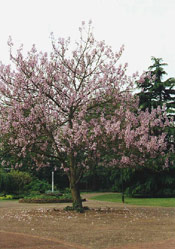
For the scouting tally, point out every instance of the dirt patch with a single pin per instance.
(11, 240)
(105, 226)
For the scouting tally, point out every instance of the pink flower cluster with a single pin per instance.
(60, 103)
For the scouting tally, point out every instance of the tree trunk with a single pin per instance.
(77, 203)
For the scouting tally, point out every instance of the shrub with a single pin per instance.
(55, 193)
(44, 198)
(20, 183)
(14, 181)
(18, 180)
(4, 182)
(40, 186)
(6, 197)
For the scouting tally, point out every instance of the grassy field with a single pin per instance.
(116, 197)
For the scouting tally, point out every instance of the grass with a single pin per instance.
(116, 197)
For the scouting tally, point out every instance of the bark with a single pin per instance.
(77, 203)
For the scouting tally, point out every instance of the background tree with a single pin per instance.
(156, 91)
(54, 106)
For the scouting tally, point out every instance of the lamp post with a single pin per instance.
(52, 181)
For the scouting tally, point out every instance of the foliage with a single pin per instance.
(55, 193)
(66, 191)
(4, 181)
(19, 183)
(40, 186)
(66, 194)
(39, 199)
(98, 178)
(154, 91)
(150, 183)
(47, 198)
(144, 182)
(14, 182)
(6, 197)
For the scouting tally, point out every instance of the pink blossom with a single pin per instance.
(78, 103)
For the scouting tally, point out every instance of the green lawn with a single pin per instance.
(116, 197)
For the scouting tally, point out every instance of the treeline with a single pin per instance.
(145, 182)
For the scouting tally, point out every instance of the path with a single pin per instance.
(45, 226)
(9, 240)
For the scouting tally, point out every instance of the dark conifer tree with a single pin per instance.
(155, 90)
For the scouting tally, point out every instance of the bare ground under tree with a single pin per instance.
(106, 226)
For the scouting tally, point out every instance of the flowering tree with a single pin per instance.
(58, 106)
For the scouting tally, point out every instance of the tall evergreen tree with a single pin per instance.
(155, 91)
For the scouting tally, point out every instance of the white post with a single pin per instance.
(52, 181)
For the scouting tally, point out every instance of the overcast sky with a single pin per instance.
(145, 27)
